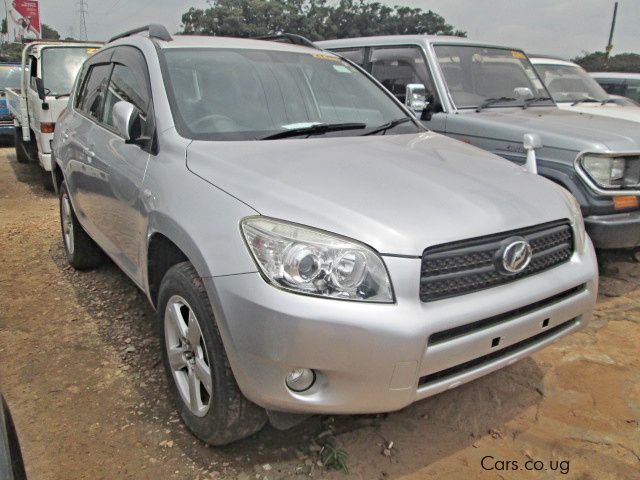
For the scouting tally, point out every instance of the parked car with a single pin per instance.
(490, 96)
(9, 77)
(308, 245)
(47, 75)
(574, 89)
(11, 464)
(623, 84)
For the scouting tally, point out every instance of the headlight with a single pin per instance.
(305, 260)
(577, 221)
(612, 172)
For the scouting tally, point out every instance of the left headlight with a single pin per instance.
(612, 172)
(309, 261)
(577, 220)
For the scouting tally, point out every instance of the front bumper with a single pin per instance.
(373, 358)
(618, 230)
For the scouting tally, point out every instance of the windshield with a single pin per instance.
(570, 83)
(243, 94)
(60, 65)
(9, 76)
(475, 75)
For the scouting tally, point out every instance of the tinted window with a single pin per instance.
(247, 94)
(93, 91)
(126, 86)
(356, 55)
(397, 67)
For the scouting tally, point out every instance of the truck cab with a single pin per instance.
(490, 96)
(49, 71)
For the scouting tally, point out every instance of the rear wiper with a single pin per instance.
(491, 101)
(315, 129)
(584, 100)
(386, 126)
(529, 101)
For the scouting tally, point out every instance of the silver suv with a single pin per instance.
(308, 245)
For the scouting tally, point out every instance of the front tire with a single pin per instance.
(201, 382)
(21, 154)
(82, 252)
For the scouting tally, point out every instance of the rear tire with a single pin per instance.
(82, 252)
(201, 382)
(21, 154)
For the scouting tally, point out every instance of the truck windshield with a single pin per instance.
(570, 83)
(249, 94)
(60, 65)
(9, 77)
(495, 77)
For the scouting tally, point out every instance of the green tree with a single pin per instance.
(49, 33)
(11, 52)
(315, 19)
(597, 62)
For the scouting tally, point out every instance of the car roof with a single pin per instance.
(201, 41)
(615, 75)
(406, 39)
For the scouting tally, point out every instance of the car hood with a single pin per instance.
(397, 193)
(631, 114)
(557, 128)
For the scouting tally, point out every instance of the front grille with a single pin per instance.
(467, 266)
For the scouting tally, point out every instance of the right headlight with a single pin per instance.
(314, 262)
(610, 172)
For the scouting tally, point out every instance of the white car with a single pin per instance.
(574, 89)
(626, 84)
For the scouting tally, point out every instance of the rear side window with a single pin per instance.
(397, 67)
(93, 91)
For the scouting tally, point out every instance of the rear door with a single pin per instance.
(82, 178)
(120, 167)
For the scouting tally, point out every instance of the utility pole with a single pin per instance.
(613, 26)
(83, 9)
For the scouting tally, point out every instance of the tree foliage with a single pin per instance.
(49, 33)
(597, 62)
(315, 19)
(11, 53)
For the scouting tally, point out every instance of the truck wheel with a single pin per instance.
(201, 382)
(82, 251)
(47, 180)
(21, 154)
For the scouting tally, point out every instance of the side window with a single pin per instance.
(129, 83)
(93, 91)
(396, 67)
(356, 55)
(126, 86)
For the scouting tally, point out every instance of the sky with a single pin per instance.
(559, 27)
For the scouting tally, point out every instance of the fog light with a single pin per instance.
(300, 379)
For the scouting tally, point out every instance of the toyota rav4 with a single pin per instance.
(308, 245)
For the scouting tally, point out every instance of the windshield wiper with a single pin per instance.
(529, 101)
(584, 100)
(386, 126)
(60, 95)
(491, 101)
(315, 129)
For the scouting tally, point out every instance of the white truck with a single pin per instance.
(49, 70)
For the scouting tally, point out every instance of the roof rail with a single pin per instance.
(155, 31)
(293, 38)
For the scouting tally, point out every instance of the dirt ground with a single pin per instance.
(80, 369)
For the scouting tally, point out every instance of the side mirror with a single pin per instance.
(531, 142)
(40, 88)
(126, 119)
(523, 92)
(415, 97)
